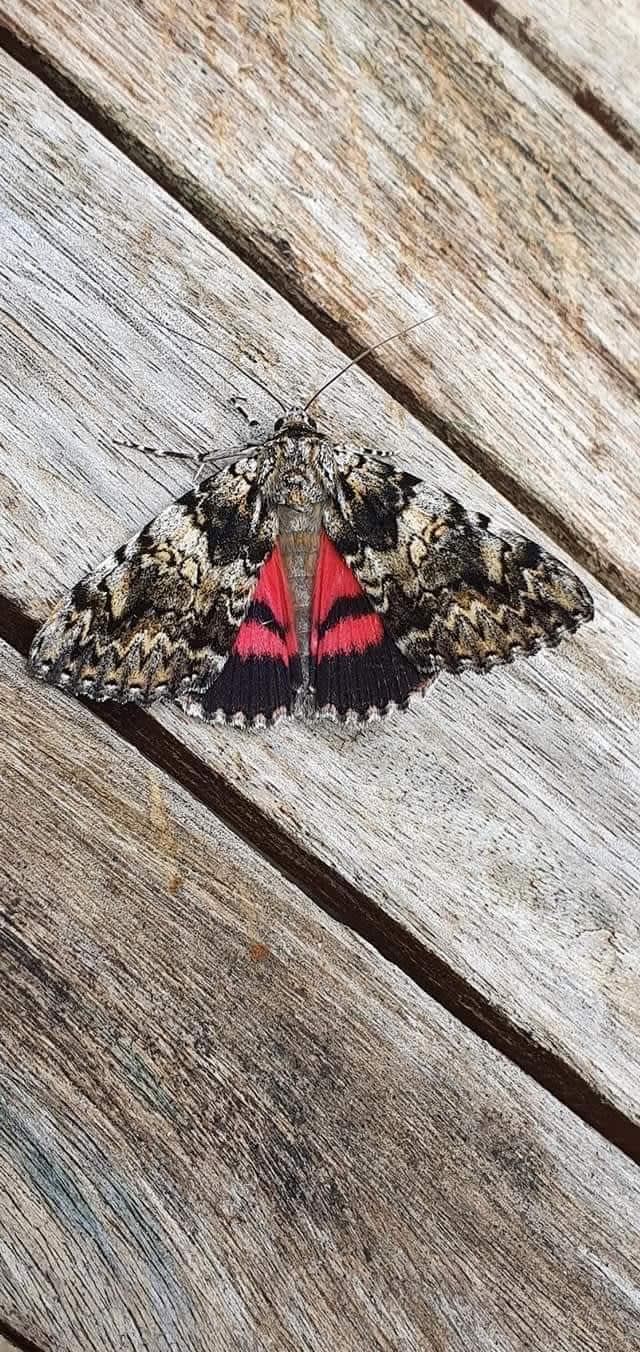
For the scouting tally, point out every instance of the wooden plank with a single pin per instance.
(498, 821)
(437, 170)
(228, 1123)
(590, 52)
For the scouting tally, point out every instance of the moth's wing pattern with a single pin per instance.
(452, 594)
(356, 670)
(258, 682)
(160, 616)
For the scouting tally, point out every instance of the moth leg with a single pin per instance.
(203, 459)
(237, 402)
(161, 451)
(377, 453)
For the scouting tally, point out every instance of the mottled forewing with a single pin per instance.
(159, 616)
(452, 594)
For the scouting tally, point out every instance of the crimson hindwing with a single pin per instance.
(356, 670)
(260, 679)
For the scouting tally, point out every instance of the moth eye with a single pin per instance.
(277, 426)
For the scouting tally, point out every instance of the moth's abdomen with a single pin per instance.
(299, 542)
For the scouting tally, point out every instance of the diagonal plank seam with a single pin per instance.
(353, 909)
(188, 193)
(530, 43)
(17, 1339)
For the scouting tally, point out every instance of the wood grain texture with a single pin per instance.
(428, 168)
(227, 1124)
(499, 820)
(591, 52)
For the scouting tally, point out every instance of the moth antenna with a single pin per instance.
(247, 374)
(365, 353)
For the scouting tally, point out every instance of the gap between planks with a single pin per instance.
(338, 898)
(529, 41)
(12, 1341)
(186, 191)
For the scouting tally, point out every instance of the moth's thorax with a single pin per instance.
(296, 471)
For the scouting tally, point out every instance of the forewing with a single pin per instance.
(451, 593)
(160, 616)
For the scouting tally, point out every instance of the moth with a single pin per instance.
(307, 577)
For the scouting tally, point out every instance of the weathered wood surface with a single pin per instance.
(591, 50)
(428, 167)
(228, 1124)
(498, 821)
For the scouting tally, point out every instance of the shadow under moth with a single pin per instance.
(306, 577)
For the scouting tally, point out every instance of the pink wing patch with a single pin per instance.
(268, 631)
(258, 683)
(357, 672)
(342, 620)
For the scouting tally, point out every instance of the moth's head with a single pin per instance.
(296, 422)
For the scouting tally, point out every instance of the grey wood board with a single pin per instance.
(428, 168)
(228, 1124)
(498, 821)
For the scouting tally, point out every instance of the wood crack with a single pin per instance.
(350, 907)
